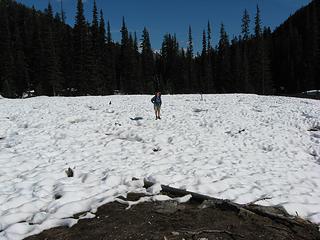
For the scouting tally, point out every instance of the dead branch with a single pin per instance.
(257, 200)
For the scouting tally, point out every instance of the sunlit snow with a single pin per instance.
(238, 147)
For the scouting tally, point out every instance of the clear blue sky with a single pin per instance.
(174, 16)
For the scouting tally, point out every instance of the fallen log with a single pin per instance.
(195, 196)
(274, 213)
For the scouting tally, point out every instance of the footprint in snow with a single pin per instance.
(314, 129)
(157, 149)
(92, 108)
(308, 116)
(197, 110)
(136, 118)
(316, 135)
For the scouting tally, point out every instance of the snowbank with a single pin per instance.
(312, 92)
(239, 147)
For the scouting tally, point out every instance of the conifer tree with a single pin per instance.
(204, 81)
(38, 60)
(169, 58)
(65, 54)
(204, 44)
(109, 36)
(107, 48)
(106, 68)
(245, 25)
(209, 32)
(257, 28)
(95, 23)
(95, 54)
(53, 84)
(210, 52)
(260, 65)
(49, 12)
(147, 62)
(245, 73)
(224, 76)
(125, 60)
(80, 50)
(137, 86)
(236, 64)
(190, 43)
(62, 13)
(102, 39)
(267, 85)
(53, 68)
(190, 64)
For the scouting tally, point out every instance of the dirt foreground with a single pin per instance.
(169, 220)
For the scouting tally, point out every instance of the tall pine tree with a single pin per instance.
(80, 50)
(190, 63)
(224, 70)
(53, 85)
(245, 25)
(147, 62)
(106, 66)
(257, 22)
(96, 54)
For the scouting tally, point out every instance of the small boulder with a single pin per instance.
(69, 172)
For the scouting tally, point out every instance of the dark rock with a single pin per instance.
(69, 172)
(57, 196)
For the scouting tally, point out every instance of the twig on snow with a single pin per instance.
(257, 200)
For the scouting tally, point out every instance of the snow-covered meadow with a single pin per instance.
(239, 147)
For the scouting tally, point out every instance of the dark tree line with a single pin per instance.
(41, 54)
(296, 55)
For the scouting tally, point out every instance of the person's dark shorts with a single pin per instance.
(157, 107)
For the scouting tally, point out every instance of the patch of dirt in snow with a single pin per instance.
(172, 221)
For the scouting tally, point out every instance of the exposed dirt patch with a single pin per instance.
(172, 221)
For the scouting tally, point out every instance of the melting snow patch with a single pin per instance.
(88, 215)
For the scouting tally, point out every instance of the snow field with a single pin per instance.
(238, 147)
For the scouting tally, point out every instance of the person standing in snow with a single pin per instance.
(156, 100)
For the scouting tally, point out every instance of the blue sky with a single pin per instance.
(174, 16)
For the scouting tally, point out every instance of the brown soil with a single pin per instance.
(172, 221)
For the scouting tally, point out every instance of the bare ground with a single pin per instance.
(195, 220)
